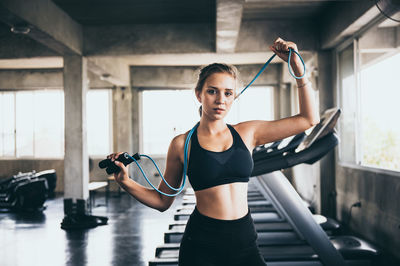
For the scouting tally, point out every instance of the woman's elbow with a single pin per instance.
(164, 205)
(163, 208)
(309, 122)
(314, 121)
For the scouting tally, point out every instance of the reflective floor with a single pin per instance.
(130, 238)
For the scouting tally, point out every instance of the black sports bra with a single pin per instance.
(209, 169)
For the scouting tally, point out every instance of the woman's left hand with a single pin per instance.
(281, 49)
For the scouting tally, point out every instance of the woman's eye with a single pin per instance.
(228, 93)
(211, 91)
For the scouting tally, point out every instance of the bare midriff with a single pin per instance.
(224, 202)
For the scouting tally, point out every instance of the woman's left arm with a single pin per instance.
(261, 132)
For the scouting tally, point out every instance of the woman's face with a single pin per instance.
(217, 95)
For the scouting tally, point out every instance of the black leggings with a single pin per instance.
(212, 242)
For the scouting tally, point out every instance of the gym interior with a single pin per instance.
(82, 79)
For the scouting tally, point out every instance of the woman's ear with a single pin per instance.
(198, 93)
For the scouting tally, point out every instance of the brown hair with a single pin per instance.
(207, 71)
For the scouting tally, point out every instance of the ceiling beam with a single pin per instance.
(229, 17)
(51, 26)
(32, 79)
(107, 73)
(344, 20)
(45, 22)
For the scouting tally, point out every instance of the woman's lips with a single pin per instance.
(219, 110)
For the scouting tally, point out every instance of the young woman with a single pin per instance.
(220, 230)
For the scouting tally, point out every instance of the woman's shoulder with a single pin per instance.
(247, 130)
(179, 140)
(177, 145)
(247, 126)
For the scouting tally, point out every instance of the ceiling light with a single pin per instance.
(20, 29)
(105, 76)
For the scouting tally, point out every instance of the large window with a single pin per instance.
(32, 123)
(254, 104)
(369, 92)
(7, 124)
(167, 113)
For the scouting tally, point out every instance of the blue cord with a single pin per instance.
(179, 190)
(290, 69)
(269, 61)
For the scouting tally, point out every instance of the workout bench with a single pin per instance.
(93, 186)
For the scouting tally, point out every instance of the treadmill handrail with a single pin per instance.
(300, 217)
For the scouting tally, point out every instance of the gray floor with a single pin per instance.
(130, 238)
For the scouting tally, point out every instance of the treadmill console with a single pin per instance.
(325, 126)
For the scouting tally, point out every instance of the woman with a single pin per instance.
(220, 230)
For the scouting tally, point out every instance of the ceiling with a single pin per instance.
(119, 33)
(114, 12)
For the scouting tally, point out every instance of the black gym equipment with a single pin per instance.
(355, 251)
(27, 191)
(76, 216)
(51, 177)
(322, 138)
(270, 229)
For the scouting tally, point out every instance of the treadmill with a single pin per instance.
(344, 250)
(270, 230)
(320, 250)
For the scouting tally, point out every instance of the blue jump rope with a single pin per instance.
(126, 159)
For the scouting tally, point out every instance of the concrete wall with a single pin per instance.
(378, 219)
(257, 35)
(29, 79)
(148, 39)
(186, 76)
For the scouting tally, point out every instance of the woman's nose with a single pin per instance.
(220, 98)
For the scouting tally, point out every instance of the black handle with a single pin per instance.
(111, 167)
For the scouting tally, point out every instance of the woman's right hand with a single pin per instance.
(122, 175)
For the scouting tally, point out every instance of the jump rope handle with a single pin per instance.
(112, 168)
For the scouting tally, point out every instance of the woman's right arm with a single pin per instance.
(172, 174)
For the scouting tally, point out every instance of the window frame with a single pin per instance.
(354, 40)
(14, 156)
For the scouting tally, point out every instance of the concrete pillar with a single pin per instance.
(136, 126)
(122, 120)
(229, 17)
(282, 95)
(76, 161)
(285, 100)
(277, 93)
(327, 163)
(136, 120)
